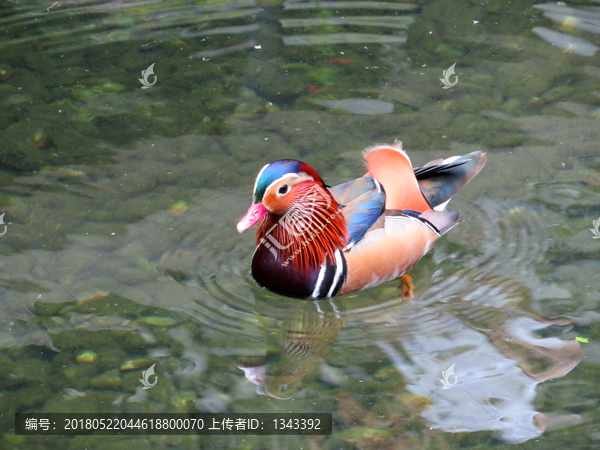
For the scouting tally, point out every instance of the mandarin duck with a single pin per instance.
(315, 241)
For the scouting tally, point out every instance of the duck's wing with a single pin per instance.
(391, 166)
(362, 202)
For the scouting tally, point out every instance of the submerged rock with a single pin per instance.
(133, 364)
(5, 73)
(358, 106)
(86, 357)
(362, 437)
(157, 321)
(107, 380)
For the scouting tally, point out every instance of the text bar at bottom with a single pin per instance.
(47, 424)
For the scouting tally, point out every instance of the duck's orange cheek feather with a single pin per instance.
(277, 205)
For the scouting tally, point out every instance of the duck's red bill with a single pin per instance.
(256, 212)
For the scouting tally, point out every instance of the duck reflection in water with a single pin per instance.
(294, 346)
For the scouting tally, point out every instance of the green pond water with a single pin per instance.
(120, 206)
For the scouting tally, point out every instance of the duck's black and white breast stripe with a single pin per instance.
(315, 283)
(331, 278)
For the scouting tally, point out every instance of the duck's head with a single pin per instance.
(279, 186)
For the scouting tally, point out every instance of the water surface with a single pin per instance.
(121, 203)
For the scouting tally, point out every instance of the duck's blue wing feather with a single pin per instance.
(363, 202)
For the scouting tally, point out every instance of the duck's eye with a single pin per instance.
(283, 190)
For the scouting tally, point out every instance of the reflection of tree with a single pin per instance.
(497, 374)
(540, 359)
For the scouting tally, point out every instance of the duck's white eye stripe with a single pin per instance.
(258, 178)
(287, 175)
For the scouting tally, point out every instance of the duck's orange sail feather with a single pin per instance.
(390, 165)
